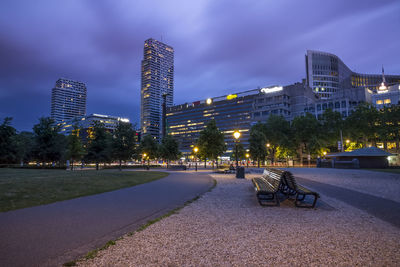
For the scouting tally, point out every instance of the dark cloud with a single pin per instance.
(220, 46)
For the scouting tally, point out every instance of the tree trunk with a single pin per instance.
(72, 164)
(120, 165)
(205, 164)
(385, 145)
(301, 155)
(97, 166)
(258, 163)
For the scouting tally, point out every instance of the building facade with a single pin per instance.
(86, 123)
(326, 74)
(68, 100)
(390, 95)
(236, 112)
(157, 80)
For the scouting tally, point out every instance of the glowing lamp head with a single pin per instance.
(324, 153)
(247, 155)
(347, 141)
(144, 155)
(236, 134)
(209, 101)
(268, 145)
(196, 149)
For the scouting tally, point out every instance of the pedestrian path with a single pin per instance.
(63, 231)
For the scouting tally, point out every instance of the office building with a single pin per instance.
(157, 80)
(238, 111)
(326, 74)
(68, 100)
(387, 96)
(86, 123)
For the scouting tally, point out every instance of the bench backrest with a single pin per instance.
(290, 181)
(273, 176)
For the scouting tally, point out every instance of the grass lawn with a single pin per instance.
(386, 170)
(21, 188)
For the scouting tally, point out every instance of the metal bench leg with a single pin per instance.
(298, 201)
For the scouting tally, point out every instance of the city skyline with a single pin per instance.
(219, 48)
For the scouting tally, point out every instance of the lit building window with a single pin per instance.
(387, 101)
(379, 102)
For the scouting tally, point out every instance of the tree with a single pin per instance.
(332, 124)
(362, 124)
(149, 147)
(169, 149)
(124, 142)
(24, 143)
(7, 133)
(75, 149)
(258, 141)
(49, 145)
(307, 134)
(99, 148)
(211, 142)
(278, 135)
(241, 152)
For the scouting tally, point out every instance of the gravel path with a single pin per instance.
(227, 227)
(380, 184)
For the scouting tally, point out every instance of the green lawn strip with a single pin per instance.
(92, 254)
(21, 188)
(397, 171)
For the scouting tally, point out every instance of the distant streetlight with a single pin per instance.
(347, 141)
(268, 145)
(236, 135)
(195, 149)
(209, 101)
(247, 159)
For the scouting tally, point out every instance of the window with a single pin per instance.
(343, 104)
(344, 114)
(379, 102)
(319, 107)
(387, 101)
(337, 105)
(330, 105)
(324, 106)
(256, 114)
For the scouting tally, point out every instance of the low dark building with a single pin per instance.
(370, 157)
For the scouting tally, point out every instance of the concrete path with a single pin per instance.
(53, 234)
(384, 209)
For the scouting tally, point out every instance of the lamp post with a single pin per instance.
(195, 149)
(247, 159)
(324, 154)
(236, 135)
(268, 146)
(144, 158)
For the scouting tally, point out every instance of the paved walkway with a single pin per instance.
(57, 233)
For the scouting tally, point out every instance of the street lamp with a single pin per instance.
(247, 159)
(195, 149)
(236, 135)
(324, 154)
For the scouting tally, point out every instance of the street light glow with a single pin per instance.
(268, 145)
(347, 141)
(236, 134)
(247, 155)
(196, 149)
(209, 101)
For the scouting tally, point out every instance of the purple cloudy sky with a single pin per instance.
(220, 47)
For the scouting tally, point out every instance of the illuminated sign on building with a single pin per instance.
(268, 90)
(229, 97)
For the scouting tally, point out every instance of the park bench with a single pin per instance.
(291, 187)
(274, 181)
(267, 187)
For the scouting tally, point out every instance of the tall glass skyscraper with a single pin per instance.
(68, 100)
(157, 81)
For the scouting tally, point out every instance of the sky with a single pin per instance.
(221, 47)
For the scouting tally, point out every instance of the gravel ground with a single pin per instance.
(379, 184)
(227, 227)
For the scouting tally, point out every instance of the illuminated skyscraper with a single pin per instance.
(68, 100)
(157, 80)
